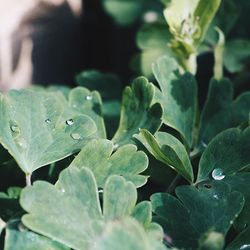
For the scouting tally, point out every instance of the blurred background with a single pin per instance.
(51, 41)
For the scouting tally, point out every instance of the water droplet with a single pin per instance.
(89, 97)
(14, 128)
(231, 222)
(74, 106)
(245, 246)
(22, 143)
(218, 174)
(216, 196)
(100, 190)
(48, 121)
(63, 190)
(204, 144)
(75, 136)
(70, 122)
(116, 145)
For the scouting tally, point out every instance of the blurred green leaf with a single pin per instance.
(221, 111)
(237, 55)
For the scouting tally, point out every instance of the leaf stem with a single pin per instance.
(28, 179)
(173, 184)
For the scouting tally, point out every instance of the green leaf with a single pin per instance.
(126, 235)
(138, 111)
(153, 41)
(27, 240)
(115, 205)
(196, 212)
(39, 128)
(152, 36)
(108, 85)
(240, 182)
(241, 242)
(124, 12)
(226, 154)
(169, 150)
(237, 55)
(99, 157)
(221, 111)
(90, 104)
(178, 97)
(70, 211)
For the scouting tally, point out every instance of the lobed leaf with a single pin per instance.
(169, 150)
(178, 97)
(40, 128)
(196, 212)
(137, 111)
(98, 156)
(70, 212)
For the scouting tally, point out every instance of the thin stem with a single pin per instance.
(28, 179)
(218, 55)
(173, 184)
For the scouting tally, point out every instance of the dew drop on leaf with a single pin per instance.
(70, 122)
(245, 246)
(116, 145)
(63, 190)
(88, 97)
(218, 174)
(14, 128)
(48, 121)
(75, 136)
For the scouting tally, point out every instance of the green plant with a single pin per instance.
(84, 191)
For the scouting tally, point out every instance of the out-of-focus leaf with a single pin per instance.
(237, 55)
(221, 111)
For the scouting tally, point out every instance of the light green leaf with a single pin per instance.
(40, 128)
(126, 235)
(169, 150)
(90, 104)
(237, 55)
(27, 240)
(138, 111)
(70, 211)
(99, 157)
(226, 154)
(221, 111)
(178, 97)
(196, 212)
(143, 213)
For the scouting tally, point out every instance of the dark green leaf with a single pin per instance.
(196, 212)
(225, 155)
(221, 112)
(137, 111)
(178, 97)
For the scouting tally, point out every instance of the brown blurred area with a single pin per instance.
(36, 41)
